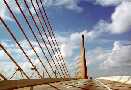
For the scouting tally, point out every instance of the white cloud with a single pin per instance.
(8, 68)
(69, 43)
(120, 21)
(98, 29)
(95, 32)
(121, 18)
(119, 57)
(68, 4)
(109, 2)
(66, 48)
(97, 54)
(116, 60)
(17, 54)
(4, 13)
(95, 57)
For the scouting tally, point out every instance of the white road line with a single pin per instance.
(103, 84)
(75, 83)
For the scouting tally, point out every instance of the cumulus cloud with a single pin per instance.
(98, 30)
(68, 4)
(109, 2)
(97, 54)
(94, 33)
(121, 21)
(116, 60)
(9, 69)
(17, 54)
(4, 11)
(90, 35)
(119, 57)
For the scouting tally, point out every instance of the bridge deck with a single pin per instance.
(77, 85)
(12, 84)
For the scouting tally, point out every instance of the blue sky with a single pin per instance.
(85, 19)
(106, 25)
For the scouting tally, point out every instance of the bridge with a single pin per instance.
(50, 73)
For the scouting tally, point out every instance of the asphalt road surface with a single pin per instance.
(82, 85)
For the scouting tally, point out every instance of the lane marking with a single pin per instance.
(103, 84)
(76, 84)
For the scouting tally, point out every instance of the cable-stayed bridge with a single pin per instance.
(50, 72)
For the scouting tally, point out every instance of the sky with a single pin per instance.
(106, 25)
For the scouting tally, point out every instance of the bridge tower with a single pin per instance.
(82, 61)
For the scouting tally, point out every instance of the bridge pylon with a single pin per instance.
(82, 60)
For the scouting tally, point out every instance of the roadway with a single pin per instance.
(82, 85)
